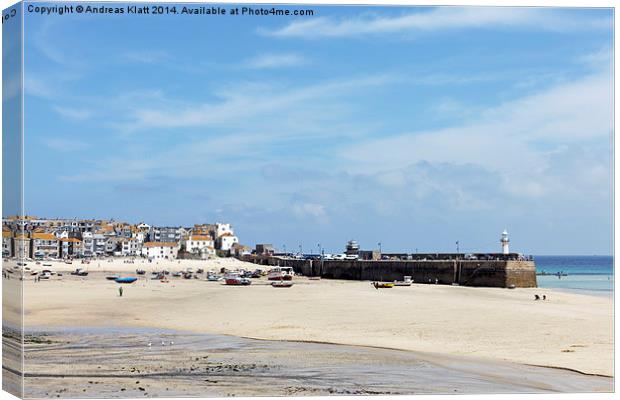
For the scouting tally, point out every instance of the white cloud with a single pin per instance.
(267, 61)
(309, 210)
(37, 87)
(73, 113)
(251, 106)
(65, 145)
(440, 19)
(514, 139)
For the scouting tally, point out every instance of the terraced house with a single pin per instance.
(44, 245)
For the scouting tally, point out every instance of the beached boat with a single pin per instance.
(280, 273)
(407, 281)
(128, 279)
(45, 274)
(383, 285)
(79, 272)
(235, 280)
(314, 278)
(112, 277)
(140, 272)
(282, 284)
(213, 277)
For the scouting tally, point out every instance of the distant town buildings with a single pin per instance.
(43, 238)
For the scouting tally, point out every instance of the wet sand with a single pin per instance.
(96, 362)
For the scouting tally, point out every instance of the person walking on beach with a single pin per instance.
(120, 291)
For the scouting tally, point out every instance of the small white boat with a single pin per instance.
(282, 284)
(45, 275)
(407, 281)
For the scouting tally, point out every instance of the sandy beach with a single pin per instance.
(568, 330)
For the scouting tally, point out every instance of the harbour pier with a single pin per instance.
(497, 270)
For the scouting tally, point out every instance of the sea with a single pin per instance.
(583, 274)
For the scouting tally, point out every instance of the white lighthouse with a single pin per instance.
(504, 241)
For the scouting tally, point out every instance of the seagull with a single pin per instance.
(171, 343)
(163, 343)
(149, 344)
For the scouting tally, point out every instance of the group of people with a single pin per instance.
(537, 297)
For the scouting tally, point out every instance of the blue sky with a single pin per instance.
(414, 127)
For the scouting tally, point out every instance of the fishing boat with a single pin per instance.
(282, 284)
(280, 273)
(128, 279)
(407, 281)
(112, 277)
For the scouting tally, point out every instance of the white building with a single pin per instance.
(130, 247)
(99, 244)
(140, 236)
(222, 229)
(199, 244)
(160, 250)
(226, 242)
(88, 244)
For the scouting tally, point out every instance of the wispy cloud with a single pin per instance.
(65, 145)
(78, 114)
(243, 105)
(441, 19)
(267, 61)
(514, 139)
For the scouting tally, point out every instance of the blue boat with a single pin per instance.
(129, 279)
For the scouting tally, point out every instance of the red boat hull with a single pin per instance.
(280, 278)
